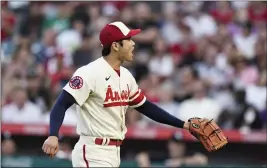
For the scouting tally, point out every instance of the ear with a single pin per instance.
(115, 46)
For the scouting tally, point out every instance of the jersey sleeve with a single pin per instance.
(80, 85)
(137, 97)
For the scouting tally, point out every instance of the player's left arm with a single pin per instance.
(157, 114)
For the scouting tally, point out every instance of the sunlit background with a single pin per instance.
(205, 59)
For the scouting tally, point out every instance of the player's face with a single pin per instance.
(126, 51)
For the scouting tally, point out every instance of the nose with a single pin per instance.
(133, 43)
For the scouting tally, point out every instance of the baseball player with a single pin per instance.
(102, 91)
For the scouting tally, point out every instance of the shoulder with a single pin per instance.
(92, 65)
(124, 69)
(90, 69)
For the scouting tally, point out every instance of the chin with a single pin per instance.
(129, 59)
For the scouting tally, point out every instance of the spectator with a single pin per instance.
(31, 25)
(166, 99)
(59, 72)
(94, 13)
(143, 159)
(200, 23)
(9, 20)
(127, 15)
(223, 12)
(161, 63)
(179, 156)
(83, 55)
(185, 81)
(222, 37)
(8, 147)
(184, 52)
(248, 117)
(222, 60)
(36, 92)
(22, 60)
(239, 4)
(110, 11)
(225, 98)
(246, 40)
(199, 105)
(260, 51)
(254, 92)
(45, 49)
(57, 16)
(257, 12)
(208, 71)
(244, 73)
(79, 21)
(16, 71)
(143, 20)
(21, 110)
(187, 7)
(8, 84)
(151, 86)
(170, 29)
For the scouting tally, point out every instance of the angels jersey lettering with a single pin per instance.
(103, 98)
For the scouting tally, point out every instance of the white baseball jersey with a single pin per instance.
(103, 97)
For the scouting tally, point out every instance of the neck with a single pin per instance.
(113, 62)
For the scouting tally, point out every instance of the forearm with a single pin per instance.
(159, 115)
(64, 101)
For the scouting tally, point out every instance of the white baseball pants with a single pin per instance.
(88, 154)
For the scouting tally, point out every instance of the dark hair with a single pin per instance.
(106, 50)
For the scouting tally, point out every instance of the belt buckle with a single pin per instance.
(117, 142)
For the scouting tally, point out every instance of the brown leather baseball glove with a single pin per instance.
(208, 133)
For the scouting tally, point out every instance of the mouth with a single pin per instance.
(132, 51)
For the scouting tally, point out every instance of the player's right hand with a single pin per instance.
(50, 146)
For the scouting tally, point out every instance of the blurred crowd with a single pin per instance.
(178, 155)
(205, 59)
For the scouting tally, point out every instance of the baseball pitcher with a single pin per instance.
(102, 91)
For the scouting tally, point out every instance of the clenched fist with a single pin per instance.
(50, 146)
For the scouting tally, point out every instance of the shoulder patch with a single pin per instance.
(76, 82)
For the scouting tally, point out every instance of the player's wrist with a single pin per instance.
(53, 137)
(186, 125)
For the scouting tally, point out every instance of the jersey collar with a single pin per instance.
(110, 69)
